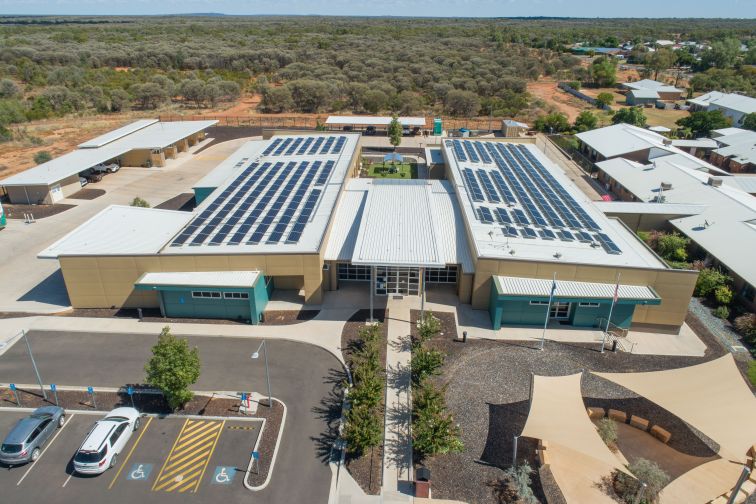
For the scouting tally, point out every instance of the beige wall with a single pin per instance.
(36, 194)
(674, 287)
(135, 158)
(102, 282)
(157, 158)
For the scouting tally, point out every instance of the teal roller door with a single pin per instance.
(181, 304)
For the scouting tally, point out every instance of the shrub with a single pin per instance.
(518, 482)
(723, 294)
(363, 429)
(708, 281)
(647, 472)
(722, 312)
(139, 202)
(607, 429)
(433, 429)
(42, 157)
(605, 98)
(425, 363)
(752, 373)
(428, 327)
(173, 367)
(746, 325)
(672, 246)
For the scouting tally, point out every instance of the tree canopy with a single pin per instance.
(703, 122)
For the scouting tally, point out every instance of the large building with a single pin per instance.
(143, 143)
(288, 214)
(732, 105)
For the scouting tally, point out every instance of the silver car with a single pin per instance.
(24, 442)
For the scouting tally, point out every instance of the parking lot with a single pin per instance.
(166, 460)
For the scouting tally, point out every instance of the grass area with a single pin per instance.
(388, 170)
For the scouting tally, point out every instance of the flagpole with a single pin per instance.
(611, 309)
(548, 310)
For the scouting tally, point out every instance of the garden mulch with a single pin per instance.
(184, 202)
(487, 392)
(273, 317)
(17, 211)
(287, 317)
(273, 418)
(87, 194)
(367, 470)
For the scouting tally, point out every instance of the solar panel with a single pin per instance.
(304, 146)
(323, 177)
(316, 145)
(502, 217)
(528, 233)
(291, 208)
(520, 217)
(471, 152)
(262, 202)
(584, 237)
(328, 144)
(509, 231)
(482, 152)
(485, 215)
(296, 231)
(282, 147)
(565, 235)
(488, 186)
(472, 185)
(273, 209)
(547, 234)
(271, 146)
(339, 145)
(608, 243)
(293, 146)
(458, 150)
(502, 186)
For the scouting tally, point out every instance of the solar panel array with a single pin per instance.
(524, 194)
(270, 201)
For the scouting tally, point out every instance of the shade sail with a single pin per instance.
(712, 397)
(703, 483)
(578, 458)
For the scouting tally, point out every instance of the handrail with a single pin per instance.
(619, 332)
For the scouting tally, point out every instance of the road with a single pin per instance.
(301, 375)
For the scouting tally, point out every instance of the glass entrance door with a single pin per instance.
(404, 281)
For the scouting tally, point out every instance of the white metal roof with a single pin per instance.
(231, 165)
(538, 287)
(155, 136)
(374, 120)
(398, 228)
(652, 84)
(119, 230)
(270, 193)
(515, 124)
(725, 228)
(232, 279)
(659, 129)
(703, 143)
(731, 101)
(637, 207)
(489, 240)
(644, 93)
(450, 241)
(746, 183)
(620, 139)
(116, 134)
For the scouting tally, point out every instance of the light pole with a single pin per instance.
(256, 355)
(34, 364)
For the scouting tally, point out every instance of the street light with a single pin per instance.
(256, 355)
(34, 364)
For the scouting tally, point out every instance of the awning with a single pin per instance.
(209, 279)
(712, 397)
(394, 156)
(567, 290)
(578, 458)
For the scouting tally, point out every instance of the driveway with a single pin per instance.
(301, 375)
(36, 285)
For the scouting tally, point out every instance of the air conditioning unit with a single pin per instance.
(667, 141)
(715, 182)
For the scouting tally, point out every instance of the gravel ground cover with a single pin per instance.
(722, 330)
(366, 470)
(487, 390)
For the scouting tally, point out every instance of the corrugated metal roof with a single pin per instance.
(639, 207)
(347, 221)
(116, 134)
(644, 93)
(120, 230)
(620, 139)
(156, 136)
(374, 120)
(233, 279)
(231, 164)
(705, 143)
(746, 183)
(538, 287)
(652, 84)
(452, 238)
(397, 226)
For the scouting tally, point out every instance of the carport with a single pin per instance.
(235, 295)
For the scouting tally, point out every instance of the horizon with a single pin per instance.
(509, 9)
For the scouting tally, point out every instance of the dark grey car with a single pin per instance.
(24, 442)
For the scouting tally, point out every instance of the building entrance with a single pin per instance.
(404, 281)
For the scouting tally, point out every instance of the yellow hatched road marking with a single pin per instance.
(188, 459)
(133, 447)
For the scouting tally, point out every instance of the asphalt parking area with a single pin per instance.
(166, 460)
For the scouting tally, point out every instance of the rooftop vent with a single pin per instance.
(667, 141)
(666, 186)
(715, 182)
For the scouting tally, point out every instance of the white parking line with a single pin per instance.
(67, 480)
(49, 444)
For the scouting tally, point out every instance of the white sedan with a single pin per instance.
(100, 449)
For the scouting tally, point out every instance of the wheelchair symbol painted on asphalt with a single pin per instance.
(224, 475)
(139, 472)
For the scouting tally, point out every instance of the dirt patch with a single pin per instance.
(287, 317)
(561, 101)
(87, 194)
(367, 470)
(17, 211)
(184, 202)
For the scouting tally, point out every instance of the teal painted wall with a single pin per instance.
(200, 193)
(584, 316)
(495, 308)
(522, 313)
(181, 304)
(260, 297)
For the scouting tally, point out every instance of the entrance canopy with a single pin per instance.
(184, 279)
(373, 121)
(712, 397)
(393, 157)
(566, 290)
(579, 459)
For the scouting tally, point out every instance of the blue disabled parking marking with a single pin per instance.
(139, 472)
(223, 475)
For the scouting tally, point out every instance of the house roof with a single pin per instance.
(232, 279)
(158, 135)
(620, 139)
(652, 85)
(644, 93)
(639, 207)
(731, 101)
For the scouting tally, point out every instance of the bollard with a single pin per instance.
(139, 313)
(15, 394)
(92, 393)
(54, 389)
(464, 336)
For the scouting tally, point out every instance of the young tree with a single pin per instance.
(363, 429)
(604, 71)
(556, 122)
(749, 121)
(42, 157)
(703, 122)
(433, 429)
(605, 98)
(139, 202)
(659, 60)
(518, 481)
(585, 121)
(172, 368)
(395, 132)
(631, 115)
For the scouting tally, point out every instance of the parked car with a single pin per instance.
(370, 131)
(106, 168)
(91, 175)
(25, 441)
(105, 440)
(347, 128)
(406, 132)
(83, 181)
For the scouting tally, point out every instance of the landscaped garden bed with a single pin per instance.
(401, 170)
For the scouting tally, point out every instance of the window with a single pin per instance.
(559, 310)
(539, 303)
(446, 275)
(352, 272)
(91, 457)
(206, 294)
(590, 305)
(235, 295)
(36, 432)
(117, 433)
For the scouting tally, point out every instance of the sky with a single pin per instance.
(446, 8)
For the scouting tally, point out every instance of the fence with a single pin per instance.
(574, 92)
